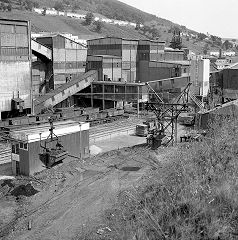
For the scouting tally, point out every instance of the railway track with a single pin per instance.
(4, 230)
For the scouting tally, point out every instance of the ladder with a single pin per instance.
(196, 100)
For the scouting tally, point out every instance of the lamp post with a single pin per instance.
(80, 140)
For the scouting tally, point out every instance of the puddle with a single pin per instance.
(130, 169)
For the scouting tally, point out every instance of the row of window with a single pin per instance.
(5, 28)
(69, 65)
(21, 145)
(12, 51)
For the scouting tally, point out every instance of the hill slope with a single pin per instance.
(158, 28)
(63, 24)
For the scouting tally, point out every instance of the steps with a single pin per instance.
(5, 153)
(196, 100)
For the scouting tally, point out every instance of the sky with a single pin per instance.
(217, 17)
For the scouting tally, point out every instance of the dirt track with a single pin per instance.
(74, 193)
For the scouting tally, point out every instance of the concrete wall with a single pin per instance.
(15, 63)
(200, 70)
(15, 77)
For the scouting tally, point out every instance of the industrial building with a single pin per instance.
(68, 58)
(15, 67)
(122, 48)
(199, 75)
(224, 83)
(27, 144)
(138, 60)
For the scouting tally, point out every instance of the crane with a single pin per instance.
(167, 115)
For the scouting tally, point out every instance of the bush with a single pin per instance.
(191, 195)
(89, 18)
(98, 26)
(59, 6)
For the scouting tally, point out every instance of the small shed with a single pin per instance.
(26, 144)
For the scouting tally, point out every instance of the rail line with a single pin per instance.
(6, 228)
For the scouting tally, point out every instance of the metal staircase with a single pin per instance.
(198, 103)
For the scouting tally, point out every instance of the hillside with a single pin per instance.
(63, 24)
(154, 27)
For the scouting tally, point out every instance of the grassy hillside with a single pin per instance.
(191, 193)
(63, 24)
(158, 28)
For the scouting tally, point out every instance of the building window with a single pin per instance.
(15, 148)
(21, 145)
(26, 146)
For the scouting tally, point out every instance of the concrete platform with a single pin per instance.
(116, 142)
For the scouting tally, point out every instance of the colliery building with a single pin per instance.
(132, 61)
(50, 70)
(15, 66)
(68, 57)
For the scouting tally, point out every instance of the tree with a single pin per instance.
(44, 11)
(201, 36)
(205, 49)
(89, 18)
(137, 26)
(226, 45)
(155, 33)
(9, 7)
(176, 42)
(59, 6)
(28, 5)
(98, 26)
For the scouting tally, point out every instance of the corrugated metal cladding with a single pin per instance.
(69, 58)
(15, 63)
(47, 41)
(173, 56)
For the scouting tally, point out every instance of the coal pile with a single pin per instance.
(24, 190)
(7, 182)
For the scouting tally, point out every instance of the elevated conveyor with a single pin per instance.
(66, 90)
(40, 50)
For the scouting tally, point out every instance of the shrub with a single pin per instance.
(191, 195)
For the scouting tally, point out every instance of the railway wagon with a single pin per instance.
(94, 116)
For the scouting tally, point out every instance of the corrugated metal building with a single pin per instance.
(15, 64)
(137, 58)
(26, 144)
(150, 50)
(123, 48)
(109, 67)
(69, 58)
(157, 70)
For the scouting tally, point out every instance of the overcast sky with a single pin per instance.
(218, 17)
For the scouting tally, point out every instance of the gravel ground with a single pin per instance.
(73, 193)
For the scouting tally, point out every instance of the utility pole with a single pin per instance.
(138, 103)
